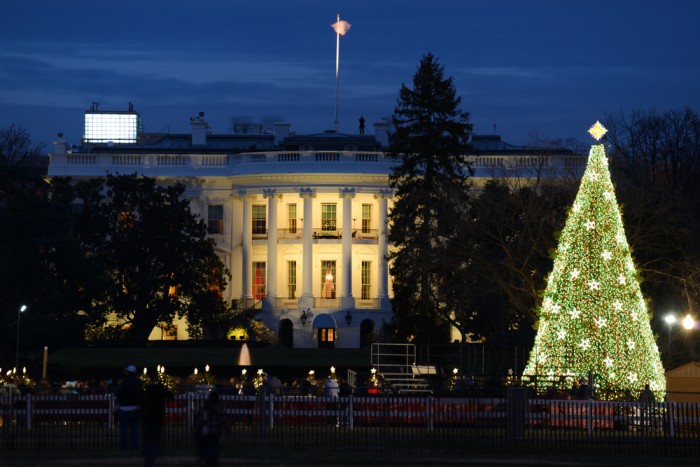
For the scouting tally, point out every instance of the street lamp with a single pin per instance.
(19, 315)
(670, 319)
(688, 322)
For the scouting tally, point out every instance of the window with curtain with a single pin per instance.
(327, 279)
(259, 280)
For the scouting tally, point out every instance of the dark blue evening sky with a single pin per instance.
(547, 66)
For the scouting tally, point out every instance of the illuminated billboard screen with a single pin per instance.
(115, 127)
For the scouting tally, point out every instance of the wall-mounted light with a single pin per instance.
(348, 317)
(304, 317)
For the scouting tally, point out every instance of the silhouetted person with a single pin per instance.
(647, 396)
(152, 417)
(208, 427)
(362, 125)
(130, 398)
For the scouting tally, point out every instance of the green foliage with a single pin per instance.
(149, 251)
(593, 319)
(431, 186)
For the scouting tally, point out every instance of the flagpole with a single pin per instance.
(337, 65)
(340, 28)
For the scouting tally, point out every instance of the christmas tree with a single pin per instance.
(593, 318)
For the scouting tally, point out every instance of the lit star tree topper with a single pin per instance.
(593, 317)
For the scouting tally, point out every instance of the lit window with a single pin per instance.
(259, 282)
(215, 219)
(366, 218)
(328, 217)
(126, 220)
(328, 279)
(292, 218)
(366, 279)
(291, 279)
(259, 219)
(327, 334)
(215, 282)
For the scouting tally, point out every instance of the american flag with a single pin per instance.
(341, 27)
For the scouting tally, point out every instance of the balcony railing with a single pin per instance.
(319, 234)
(327, 233)
(326, 302)
(368, 163)
(286, 302)
(367, 303)
(290, 233)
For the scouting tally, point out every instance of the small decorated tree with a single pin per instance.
(593, 318)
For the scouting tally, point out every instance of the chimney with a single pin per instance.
(59, 146)
(281, 132)
(199, 130)
(381, 132)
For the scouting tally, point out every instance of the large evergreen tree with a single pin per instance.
(430, 139)
(148, 253)
(593, 317)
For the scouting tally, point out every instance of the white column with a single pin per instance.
(271, 285)
(247, 247)
(346, 298)
(383, 251)
(307, 299)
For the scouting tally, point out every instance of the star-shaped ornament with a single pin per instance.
(597, 131)
(608, 361)
(561, 334)
(632, 378)
(585, 344)
(630, 344)
(593, 285)
(590, 224)
(555, 309)
(621, 279)
(606, 255)
(617, 304)
(608, 195)
(574, 313)
(601, 322)
(574, 274)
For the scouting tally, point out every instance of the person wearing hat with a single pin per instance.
(129, 398)
(332, 390)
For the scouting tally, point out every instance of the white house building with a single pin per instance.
(299, 220)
